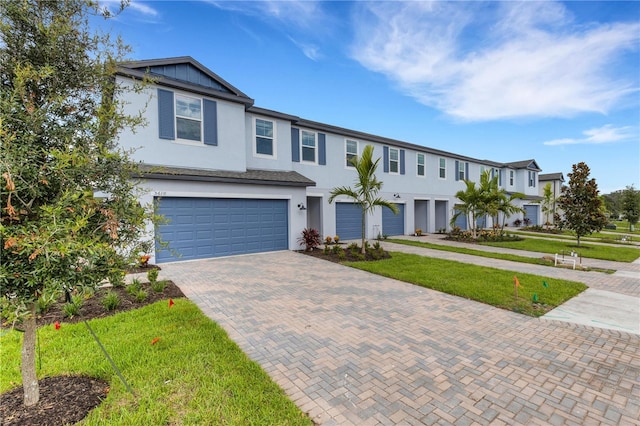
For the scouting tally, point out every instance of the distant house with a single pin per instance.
(233, 178)
(557, 181)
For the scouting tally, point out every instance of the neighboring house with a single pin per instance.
(557, 181)
(233, 178)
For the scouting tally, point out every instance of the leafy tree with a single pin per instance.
(631, 205)
(583, 208)
(548, 203)
(70, 215)
(366, 190)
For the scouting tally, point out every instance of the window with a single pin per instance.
(188, 118)
(460, 170)
(443, 169)
(420, 164)
(532, 179)
(351, 149)
(264, 137)
(511, 177)
(394, 160)
(308, 146)
(481, 170)
(496, 172)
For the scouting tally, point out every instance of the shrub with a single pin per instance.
(45, 301)
(527, 221)
(111, 301)
(158, 286)
(134, 287)
(140, 295)
(327, 240)
(517, 222)
(418, 232)
(310, 238)
(327, 249)
(336, 239)
(116, 278)
(71, 309)
(152, 275)
(337, 250)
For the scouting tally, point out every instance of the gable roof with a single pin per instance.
(184, 72)
(551, 176)
(526, 164)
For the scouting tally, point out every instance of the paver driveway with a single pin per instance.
(354, 348)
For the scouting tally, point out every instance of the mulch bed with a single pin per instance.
(348, 256)
(68, 399)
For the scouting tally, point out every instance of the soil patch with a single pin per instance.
(68, 399)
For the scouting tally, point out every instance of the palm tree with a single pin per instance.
(366, 189)
(507, 208)
(471, 207)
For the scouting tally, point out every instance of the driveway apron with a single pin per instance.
(352, 348)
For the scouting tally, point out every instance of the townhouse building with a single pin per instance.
(233, 178)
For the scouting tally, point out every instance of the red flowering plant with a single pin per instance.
(144, 260)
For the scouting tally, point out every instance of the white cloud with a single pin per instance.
(143, 8)
(600, 135)
(485, 61)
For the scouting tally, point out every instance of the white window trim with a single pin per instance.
(398, 161)
(512, 177)
(346, 166)
(274, 145)
(175, 121)
(424, 165)
(442, 168)
(462, 170)
(315, 147)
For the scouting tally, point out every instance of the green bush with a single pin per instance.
(158, 286)
(152, 275)
(45, 301)
(111, 301)
(134, 287)
(140, 295)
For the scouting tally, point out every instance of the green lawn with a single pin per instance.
(569, 235)
(193, 375)
(620, 254)
(488, 285)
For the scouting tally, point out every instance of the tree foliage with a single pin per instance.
(548, 204)
(485, 199)
(70, 215)
(583, 208)
(366, 190)
(631, 205)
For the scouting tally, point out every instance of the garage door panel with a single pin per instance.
(201, 228)
(348, 221)
(393, 224)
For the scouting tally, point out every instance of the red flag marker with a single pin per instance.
(515, 279)
(171, 302)
(154, 341)
(56, 325)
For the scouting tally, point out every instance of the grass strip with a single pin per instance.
(488, 254)
(483, 284)
(618, 254)
(596, 237)
(194, 374)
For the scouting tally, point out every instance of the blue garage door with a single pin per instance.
(199, 228)
(461, 221)
(348, 221)
(531, 212)
(393, 224)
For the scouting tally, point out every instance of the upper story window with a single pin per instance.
(442, 168)
(308, 146)
(394, 160)
(461, 170)
(264, 137)
(420, 164)
(511, 177)
(188, 118)
(351, 151)
(532, 179)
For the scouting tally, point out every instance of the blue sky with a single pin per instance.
(558, 82)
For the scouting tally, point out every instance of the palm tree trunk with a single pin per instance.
(364, 228)
(29, 377)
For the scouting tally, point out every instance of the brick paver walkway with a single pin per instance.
(351, 348)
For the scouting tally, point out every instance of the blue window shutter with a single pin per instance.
(166, 119)
(210, 115)
(402, 161)
(322, 149)
(295, 145)
(457, 170)
(466, 171)
(385, 158)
